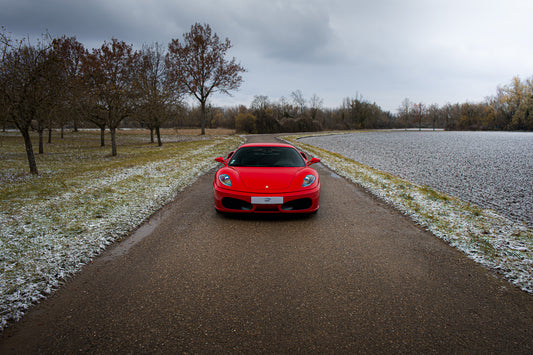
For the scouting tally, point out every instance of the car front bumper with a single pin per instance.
(305, 201)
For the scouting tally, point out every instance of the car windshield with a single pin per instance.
(267, 157)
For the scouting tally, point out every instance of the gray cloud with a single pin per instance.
(386, 50)
(287, 31)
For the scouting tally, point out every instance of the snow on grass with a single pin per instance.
(490, 169)
(482, 234)
(84, 200)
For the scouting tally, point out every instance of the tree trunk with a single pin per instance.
(41, 144)
(62, 132)
(159, 143)
(113, 141)
(202, 105)
(151, 134)
(29, 151)
(102, 136)
(49, 135)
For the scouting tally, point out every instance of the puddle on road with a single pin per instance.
(139, 234)
(329, 171)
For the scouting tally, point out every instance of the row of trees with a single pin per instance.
(298, 114)
(56, 81)
(511, 108)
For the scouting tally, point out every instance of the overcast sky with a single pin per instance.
(429, 51)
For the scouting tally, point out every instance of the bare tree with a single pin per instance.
(316, 105)
(92, 111)
(49, 94)
(260, 102)
(5, 44)
(199, 64)
(404, 111)
(159, 93)
(262, 109)
(71, 52)
(299, 102)
(419, 110)
(110, 72)
(434, 115)
(23, 84)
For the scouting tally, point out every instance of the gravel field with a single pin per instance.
(491, 169)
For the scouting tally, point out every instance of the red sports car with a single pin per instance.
(266, 178)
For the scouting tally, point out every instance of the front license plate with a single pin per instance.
(267, 200)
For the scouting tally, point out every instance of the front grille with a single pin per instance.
(236, 204)
(295, 205)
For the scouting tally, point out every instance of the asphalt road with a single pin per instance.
(356, 277)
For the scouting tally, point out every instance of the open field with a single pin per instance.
(491, 169)
(83, 200)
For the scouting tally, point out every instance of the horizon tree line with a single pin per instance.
(510, 109)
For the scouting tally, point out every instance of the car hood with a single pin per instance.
(264, 180)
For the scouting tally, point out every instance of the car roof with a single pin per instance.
(266, 145)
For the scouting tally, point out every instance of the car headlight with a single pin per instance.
(308, 180)
(224, 179)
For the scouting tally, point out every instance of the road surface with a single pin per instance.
(357, 277)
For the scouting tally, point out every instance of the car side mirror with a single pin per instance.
(221, 160)
(313, 161)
